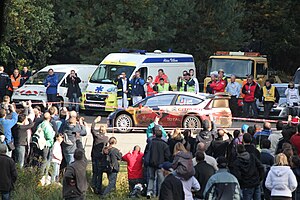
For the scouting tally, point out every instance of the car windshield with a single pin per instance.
(281, 91)
(108, 73)
(39, 77)
(297, 77)
(240, 68)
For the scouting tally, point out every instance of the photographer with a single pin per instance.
(292, 98)
(138, 92)
(74, 91)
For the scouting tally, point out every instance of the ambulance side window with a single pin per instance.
(63, 83)
(144, 73)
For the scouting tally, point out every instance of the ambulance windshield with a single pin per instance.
(108, 73)
(39, 77)
(239, 68)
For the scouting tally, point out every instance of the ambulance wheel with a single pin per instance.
(123, 123)
(192, 122)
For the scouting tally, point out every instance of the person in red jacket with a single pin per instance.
(295, 140)
(251, 91)
(161, 74)
(219, 85)
(134, 161)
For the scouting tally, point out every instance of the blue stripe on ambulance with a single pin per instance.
(169, 60)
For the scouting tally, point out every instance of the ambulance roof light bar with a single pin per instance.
(239, 53)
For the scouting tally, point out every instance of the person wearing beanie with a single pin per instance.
(8, 175)
(249, 171)
(224, 182)
(171, 188)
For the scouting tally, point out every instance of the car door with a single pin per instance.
(220, 111)
(152, 107)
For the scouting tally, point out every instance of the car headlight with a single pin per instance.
(42, 94)
(283, 105)
(112, 89)
(16, 93)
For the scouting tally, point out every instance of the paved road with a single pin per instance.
(127, 141)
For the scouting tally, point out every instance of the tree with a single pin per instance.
(30, 33)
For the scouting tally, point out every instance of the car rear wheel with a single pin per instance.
(192, 122)
(123, 122)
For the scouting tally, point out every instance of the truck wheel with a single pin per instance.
(192, 122)
(122, 122)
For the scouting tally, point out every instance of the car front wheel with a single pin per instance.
(192, 122)
(123, 123)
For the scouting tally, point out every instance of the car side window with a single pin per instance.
(161, 100)
(187, 100)
(220, 103)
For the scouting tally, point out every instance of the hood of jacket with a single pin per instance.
(279, 171)
(244, 158)
(184, 155)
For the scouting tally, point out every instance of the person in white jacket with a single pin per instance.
(56, 157)
(292, 98)
(281, 180)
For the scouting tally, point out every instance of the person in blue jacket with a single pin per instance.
(137, 83)
(51, 83)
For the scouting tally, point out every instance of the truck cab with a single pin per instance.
(240, 64)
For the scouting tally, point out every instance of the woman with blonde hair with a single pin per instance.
(175, 137)
(182, 163)
(281, 180)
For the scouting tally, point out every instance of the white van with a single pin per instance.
(34, 90)
(101, 92)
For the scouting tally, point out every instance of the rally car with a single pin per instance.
(175, 109)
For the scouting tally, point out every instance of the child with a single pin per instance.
(56, 157)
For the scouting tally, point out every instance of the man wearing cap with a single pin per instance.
(8, 175)
(187, 84)
(234, 89)
(222, 185)
(172, 187)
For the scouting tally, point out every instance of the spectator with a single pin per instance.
(150, 87)
(7, 125)
(231, 149)
(8, 175)
(295, 140)
(208, 159)
(293, 98)
(296, 169)
(264, 134)
(203, 172)
(234, 89)
(249, 171)
(209, 89)
(75, 182)
(161, 75)
(163, 86)
(251, 92)
(186, 84)
(189, 186)
(219, 145)
(74, 91)
(267, 160)
(51, 83)
(281, 179)
(205, 135)
(287, 132)
(49, 134)
(152, 126)
(289, 153)
(134, 161)
(189, 141)
(192, 73)
(56, 157)
(250, 148)
(158, 153)
(124, 90)
(275, 136)
(15, 82)
(113, 156)
(4, 83)
(19, 132)
(137, 83)
(222, 185)
(245, 128)
(171, 187)
(174, 139)
(69, 130)
(220, 84)
(5, 104)
(182, 163)
(25, 74)
(100, 140)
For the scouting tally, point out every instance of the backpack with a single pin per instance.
(38, 138)
(106, 161)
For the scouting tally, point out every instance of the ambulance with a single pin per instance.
(34, 89)
(101, 93)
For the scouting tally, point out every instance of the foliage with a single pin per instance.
(30, 33)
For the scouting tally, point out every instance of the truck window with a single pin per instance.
(108, 73)
(144, 72)
(261, 69)
(240, 68)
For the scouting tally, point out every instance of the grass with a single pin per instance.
(27, 186)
